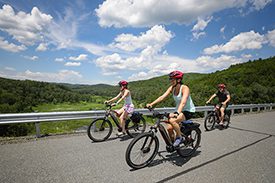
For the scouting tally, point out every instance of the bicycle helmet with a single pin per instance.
(221, 86)
(176, 75)
(123, 83)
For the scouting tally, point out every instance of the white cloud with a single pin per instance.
(73, 64)
(67, 76)
(59, 59)
(147, 13)
(156, 37)
(41, 47)
(5, 45)
(79, 58)
(218, 63)
(260, 4)
(222, 29)
(24, 28)
(145, 48)
(245, 40)
(9, 68)
(33, 58)
(271, 37)
(198, 28)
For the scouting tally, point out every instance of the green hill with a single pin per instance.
(250, 82)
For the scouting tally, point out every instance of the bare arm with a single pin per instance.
(126, 92)
(227, 100)
(213, 96)
(115, 98)
(162, 97)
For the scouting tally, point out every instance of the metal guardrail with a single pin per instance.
(73, 115)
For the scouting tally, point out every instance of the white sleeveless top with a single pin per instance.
(189, 106)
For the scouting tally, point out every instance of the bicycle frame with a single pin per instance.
(110, 113)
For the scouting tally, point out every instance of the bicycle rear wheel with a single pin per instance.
(99, 130)
(133, 129)
(209, 121)
(191, 143)
(142, 150)
(226, 120)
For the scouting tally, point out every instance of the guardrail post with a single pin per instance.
(270, 107)
(259, 108)
(205, 113)
(37, 127)
(232, 112)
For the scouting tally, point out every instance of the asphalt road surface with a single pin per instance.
(245, 152)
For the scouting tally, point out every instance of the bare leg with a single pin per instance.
(222, 115)
(122, 120)
(171, 133)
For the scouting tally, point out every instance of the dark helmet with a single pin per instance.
(176, 75)
(123, 83)
(221, 86)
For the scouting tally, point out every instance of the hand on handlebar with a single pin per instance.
(113, 104)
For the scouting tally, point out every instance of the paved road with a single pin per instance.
(243, 153)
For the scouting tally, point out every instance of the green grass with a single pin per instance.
(82, 106)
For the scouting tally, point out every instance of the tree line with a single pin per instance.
(250, 82)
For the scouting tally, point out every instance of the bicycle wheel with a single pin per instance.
(133, 129)
(191, 143)
(209, 122)
(142, 150)
(99, 130)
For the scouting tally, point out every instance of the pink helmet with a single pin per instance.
(221, 85)
(123, 83)
(176, 75)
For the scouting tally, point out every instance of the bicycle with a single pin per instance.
(143, 148)
(101, 128)
(213, 118)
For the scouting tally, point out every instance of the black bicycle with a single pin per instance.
(101, 128)
(213, 118)
(144, 147)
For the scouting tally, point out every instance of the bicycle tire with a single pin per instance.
(190, 145)
(100, 130)
(209, 121)
(134, 129)
(142, 150)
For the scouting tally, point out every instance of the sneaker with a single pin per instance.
(178, 141)
(119, 134)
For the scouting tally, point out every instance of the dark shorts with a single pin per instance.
(188, 115)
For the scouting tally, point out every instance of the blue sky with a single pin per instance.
(91, 42)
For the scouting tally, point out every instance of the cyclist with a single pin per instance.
(224, 97)
(184, 106)
(128, 106)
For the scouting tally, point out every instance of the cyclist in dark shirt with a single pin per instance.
(224, 97)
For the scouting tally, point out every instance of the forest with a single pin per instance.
(250, 82)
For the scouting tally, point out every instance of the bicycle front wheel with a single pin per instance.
(209, 122)
(142, 150)
(133, 129)
(99, 130)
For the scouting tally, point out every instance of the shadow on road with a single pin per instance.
(173, 158)
(212, 160)
(262, 133)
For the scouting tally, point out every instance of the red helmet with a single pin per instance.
(221, 85)
(123, 83)
(176, 75)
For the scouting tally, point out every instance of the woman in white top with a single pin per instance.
(184, 106)
(128, 106)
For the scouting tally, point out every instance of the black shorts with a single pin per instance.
(188, 115)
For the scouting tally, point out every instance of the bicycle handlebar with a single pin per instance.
(158, 114)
